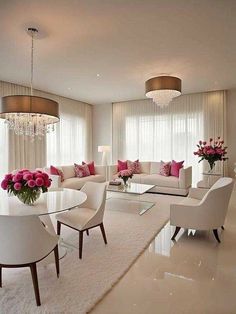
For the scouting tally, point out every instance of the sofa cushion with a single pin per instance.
(157, 179)
(165, 169)
(90, 166)
(145, 167)
(68, 171)
(77, 183)
(175, 168)
(155, 167)
(121, 165)
(137, 178)
(56, 171)
(82, 170)
(134, 166)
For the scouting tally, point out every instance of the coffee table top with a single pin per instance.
(132, 188)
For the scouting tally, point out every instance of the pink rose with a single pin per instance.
(39, 182)
(31, 183)
(4, 184)
(8, 176)
(38, 175)
(45, 176)
(17, 186)
(17, 177)
(47, 183)
(27, 176)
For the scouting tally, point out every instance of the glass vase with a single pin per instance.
(29, 197)
(125, 181)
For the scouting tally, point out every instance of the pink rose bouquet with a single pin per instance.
(26, 185)
(211, 151)
(125, 175)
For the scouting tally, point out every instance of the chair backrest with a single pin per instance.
(96, 195)
(24, 240)
(217, 199)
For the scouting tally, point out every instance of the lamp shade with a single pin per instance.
(104, 148)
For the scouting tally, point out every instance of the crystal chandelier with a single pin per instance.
(27, 114)
(163, 89)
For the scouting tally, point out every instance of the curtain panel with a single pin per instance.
(143, 130)
(71, 140)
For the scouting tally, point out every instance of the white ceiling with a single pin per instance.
(125, 41)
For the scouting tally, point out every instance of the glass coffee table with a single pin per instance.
(135, 189)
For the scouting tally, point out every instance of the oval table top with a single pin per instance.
(52, 202)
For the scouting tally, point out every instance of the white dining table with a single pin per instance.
(51, 202)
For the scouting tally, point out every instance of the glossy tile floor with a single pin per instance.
(193, 275)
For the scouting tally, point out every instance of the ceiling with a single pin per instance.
(124, 41)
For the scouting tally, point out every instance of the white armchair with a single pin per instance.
(24, 242)
(89, 215)
(203, 209)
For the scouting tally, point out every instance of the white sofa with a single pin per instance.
(149, 175)
(73, 182)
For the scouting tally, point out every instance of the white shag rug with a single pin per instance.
(83, 283)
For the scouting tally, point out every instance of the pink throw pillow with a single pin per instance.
(121, 165)
(134, 166)
(57, 172)
(90, 166)
(165, 168)
(175, 168)
(82, 171)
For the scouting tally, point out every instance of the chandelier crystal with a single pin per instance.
(27, 114)
(163, 89)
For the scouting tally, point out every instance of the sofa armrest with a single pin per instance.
(100, 170)
(56, 181)
(197, 193)
(185, 178)
(112, 170)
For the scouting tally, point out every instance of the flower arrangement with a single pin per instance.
(125, 175)
(26, 185)
(211, 151)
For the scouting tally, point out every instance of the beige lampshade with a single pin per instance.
(104, 148)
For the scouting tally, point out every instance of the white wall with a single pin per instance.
(102, 130)
(231, 129)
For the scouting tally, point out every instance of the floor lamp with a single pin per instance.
(104, 150)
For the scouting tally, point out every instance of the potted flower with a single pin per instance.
(211, 151)
(26, 185)
(125, 175)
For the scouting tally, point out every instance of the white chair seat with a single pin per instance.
(190, 201)
(76, 218)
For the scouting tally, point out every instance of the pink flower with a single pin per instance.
(211, 139)
(17, 186)
(39, 182)
(4, 184)
(204, 142)
(8, 176)
(17, 177)
(45, 176)
(31, 183)
(27, 176)
(200, 142)
(47, 183)
(38, 175)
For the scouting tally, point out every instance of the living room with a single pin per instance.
(118, 156)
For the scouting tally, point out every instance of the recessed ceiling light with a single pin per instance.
(69, 88)
(98, 75)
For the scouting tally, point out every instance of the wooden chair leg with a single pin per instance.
(87, 231)
(103, 233)
(34, 275)
(80, 244)
(0, 276)
(57, 260)
(177, 229)
(216, 235)
(58, 228)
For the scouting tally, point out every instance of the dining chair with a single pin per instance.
(203, 209)
(88, 215)
(25, 242)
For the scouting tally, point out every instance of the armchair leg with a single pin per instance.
(216, 235)
(222, 227)
(35, 283)
(58, 228)
(80, 244)
(87, 231)
(103, 233)
(177, 229)
(57, 260)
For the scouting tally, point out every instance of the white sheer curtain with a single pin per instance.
(143, 130)
(72, 140)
